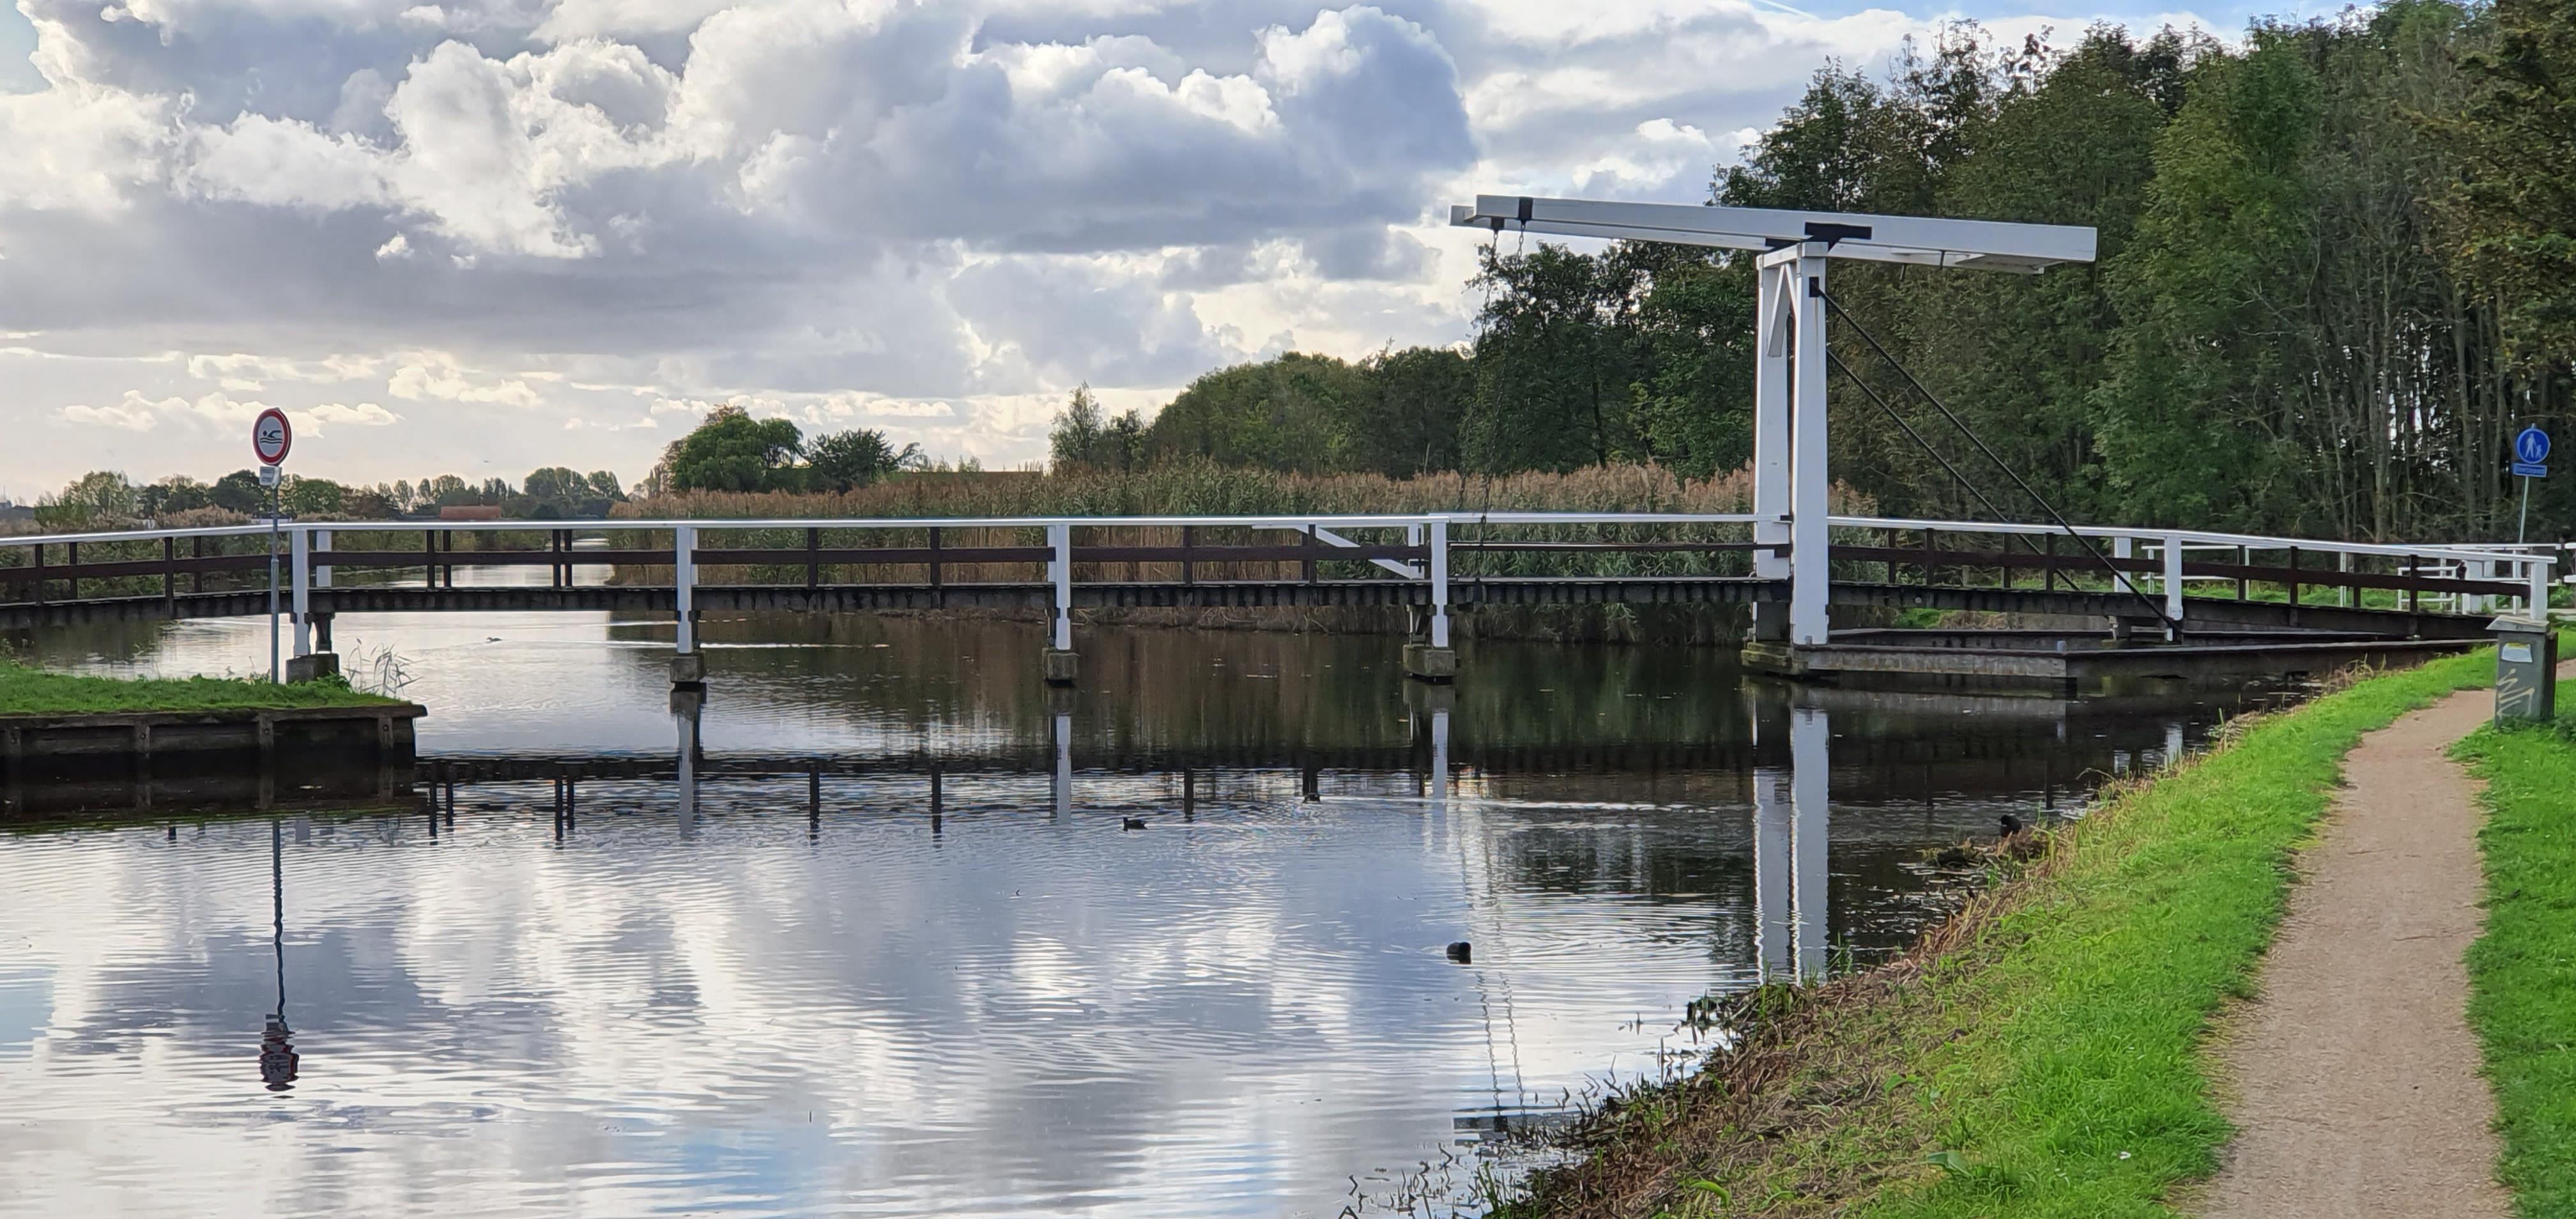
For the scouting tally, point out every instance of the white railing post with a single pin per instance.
(2536, 578)
(684, 584)
(2343, 563)
(1060, 576)
(300, 554)
(2120, 550)
(322, 543)
(2173, 585)
(1440, 584)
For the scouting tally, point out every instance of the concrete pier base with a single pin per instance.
(1061, 666)
(1423, 662)
(1773, 656)
(312, 667)
(2063, 664)
(688, 670)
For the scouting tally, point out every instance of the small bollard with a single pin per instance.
(2526, 685)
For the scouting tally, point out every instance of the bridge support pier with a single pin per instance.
(312, 666)
(1061, 666)
(1430, 658)
(1427, 662)
(688, 670)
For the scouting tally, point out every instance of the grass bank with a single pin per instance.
(2040, 1055)
(29, 691)
(2522, 972)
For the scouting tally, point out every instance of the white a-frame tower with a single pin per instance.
(1789, 442)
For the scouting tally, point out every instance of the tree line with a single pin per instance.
(2336, 274)
(728, 451)
(108, 497)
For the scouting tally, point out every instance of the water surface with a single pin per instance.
(879, 944)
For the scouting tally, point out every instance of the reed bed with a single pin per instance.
(1198, 489)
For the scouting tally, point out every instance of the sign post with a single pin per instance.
(270, 437)
(2530, 448)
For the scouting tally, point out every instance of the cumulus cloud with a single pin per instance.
(932, 218)
(438, 377)
(218, 411)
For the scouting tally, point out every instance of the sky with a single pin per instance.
(484, 236)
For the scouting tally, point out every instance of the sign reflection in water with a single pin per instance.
(861, 931)
(277, 1057)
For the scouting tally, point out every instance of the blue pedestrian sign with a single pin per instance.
(2530, 447)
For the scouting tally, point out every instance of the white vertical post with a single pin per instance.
(1060, 576)
(1440, 584)
(2120, 549)
(684, 583)
(322, 574)
(1809, 569)
(300, 554)
(1770, 443)
(1809, 831)
(2343, 563)
(2535, 570)
(2173, 585)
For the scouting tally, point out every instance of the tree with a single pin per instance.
(100, 495)
(177, 493)
(1076, 431)
(604, 485)
(1403, 418)
(1080, 439)
(240, 491)
(444, 491)
(855, 458)
(313, 496)
(556, 483)
(731, 451)
(1555, 362)
(2515, 206)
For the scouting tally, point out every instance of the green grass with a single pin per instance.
(2085, 1091)
(25, 691)
(2522, 971)
(2051, 1061)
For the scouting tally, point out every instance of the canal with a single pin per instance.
(883, 943)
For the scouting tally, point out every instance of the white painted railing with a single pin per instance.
(1432, 536)
(2530, 567)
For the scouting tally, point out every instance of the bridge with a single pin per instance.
(2214, 603)
(2176, 602)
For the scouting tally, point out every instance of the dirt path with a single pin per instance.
(2355, 1071)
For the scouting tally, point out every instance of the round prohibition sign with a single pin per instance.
(271, 436)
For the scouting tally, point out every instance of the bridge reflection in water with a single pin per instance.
(868, 901)
(1787, 774)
